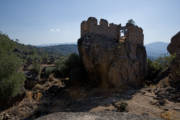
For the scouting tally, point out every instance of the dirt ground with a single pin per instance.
(139, 101)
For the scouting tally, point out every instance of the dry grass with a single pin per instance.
(29, 95)
(168, 115)
(38, 96)
(39, 87)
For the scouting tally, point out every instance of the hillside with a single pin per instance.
(59, 84)
(63, 49)
(154, 50)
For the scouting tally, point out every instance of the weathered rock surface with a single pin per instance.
(174, 48)
(112, 59)
(95, 116)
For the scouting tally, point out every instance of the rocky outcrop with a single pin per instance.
(114, 56)
(174, 49)
(174, 46)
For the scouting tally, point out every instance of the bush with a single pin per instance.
(123, 107)
(11, 79)
(131, 21)
(72, 67)
(11, 86)
(62, 67)
(36, 67)
(165, 61)
(47, 71)
(155, 67)
(66, 64)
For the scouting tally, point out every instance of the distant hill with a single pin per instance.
(63, 49)
(156, 49)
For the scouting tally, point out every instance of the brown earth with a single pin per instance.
(143, 102)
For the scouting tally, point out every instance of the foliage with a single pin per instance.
(11, 79)
(131, 21)
(62, 67)
(65, 49)
(36, 67)
(121, 107)
(47, 71)
(11, 86)
(71, 66)
(157, 66)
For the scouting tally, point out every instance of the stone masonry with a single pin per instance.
(114, 56)
(131, 33)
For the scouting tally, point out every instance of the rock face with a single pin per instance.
(114, 56)
(174, 48)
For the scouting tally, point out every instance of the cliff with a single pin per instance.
(174, 49)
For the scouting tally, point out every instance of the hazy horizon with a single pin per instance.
(39, 22)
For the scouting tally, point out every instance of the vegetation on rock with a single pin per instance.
(155, 67)
(11, 77)
(71, 66)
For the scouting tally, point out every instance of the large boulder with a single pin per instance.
(174, 49)
(111, 59)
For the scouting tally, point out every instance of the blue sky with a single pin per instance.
(58, 21)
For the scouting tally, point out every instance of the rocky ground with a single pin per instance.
(50, 96)
(145, 103)
(95, 116)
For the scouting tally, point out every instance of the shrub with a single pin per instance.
(155, 67)
(11, 86)
(66, 64)
(71, 66)
(36, 67)
(11, 81)
(131, 21)
(123, 107)
(47, 71)
(9, 64)
(62, 67)
(165, 61)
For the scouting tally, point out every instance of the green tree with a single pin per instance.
(156, 67)
(71, 67)
(131, 21)
(11, 79)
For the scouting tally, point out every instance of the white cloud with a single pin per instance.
(54, 30)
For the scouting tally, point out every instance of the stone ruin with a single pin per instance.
(130, 32)
(114, 56)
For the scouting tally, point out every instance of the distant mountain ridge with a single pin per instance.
(63, 49)
(154, 50)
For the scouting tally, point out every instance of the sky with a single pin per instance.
(43, 22)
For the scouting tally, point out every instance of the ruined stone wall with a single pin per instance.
(132, 33)
(103, 28)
